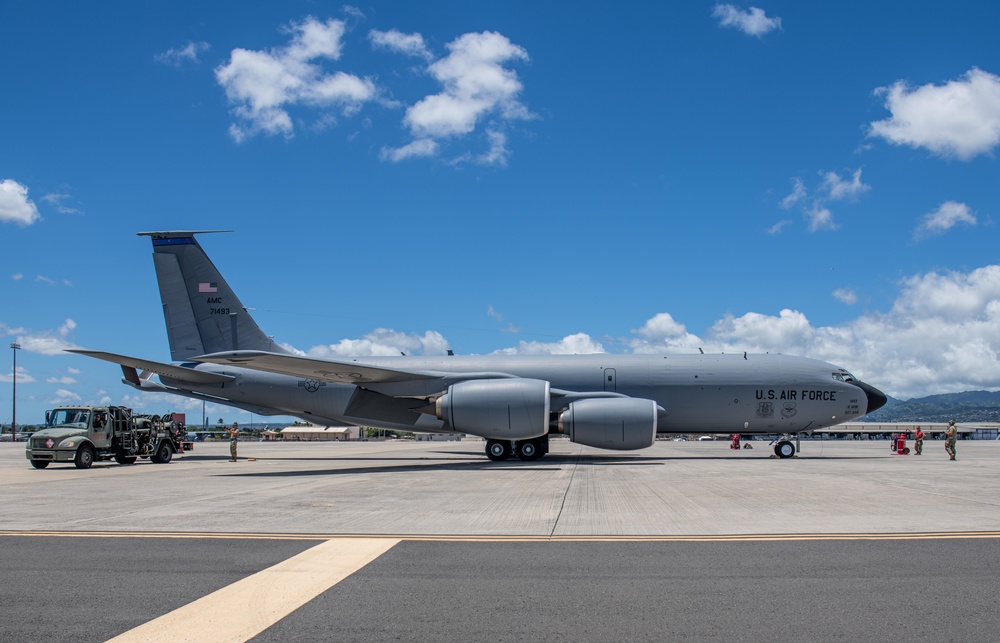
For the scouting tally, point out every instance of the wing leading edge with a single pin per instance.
(166, 370)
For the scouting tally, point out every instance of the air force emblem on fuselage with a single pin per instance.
(765, 409)
(311, 385)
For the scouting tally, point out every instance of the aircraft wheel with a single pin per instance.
(529, 450)
(84, 457)
(497, 450)
(784, 449)
(39, 464)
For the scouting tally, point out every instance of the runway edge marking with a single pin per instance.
(264, 598)
(933, 535)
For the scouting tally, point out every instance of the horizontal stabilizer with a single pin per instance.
(324, 370)
(167, 370)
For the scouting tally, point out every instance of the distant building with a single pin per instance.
(934, 430)
(313, 433)
(438, 437)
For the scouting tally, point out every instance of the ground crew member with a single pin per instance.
(735, 444)
(918, 444)
(234, 439)
(949, 439)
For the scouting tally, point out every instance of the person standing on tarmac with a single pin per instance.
(918, 441)
(949, 439)
(234, 439)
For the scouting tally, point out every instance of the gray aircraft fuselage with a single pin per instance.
(729, 393)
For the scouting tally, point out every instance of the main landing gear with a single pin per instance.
(784, 448)
(527, 450)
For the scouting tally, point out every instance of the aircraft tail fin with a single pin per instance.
(202, 313)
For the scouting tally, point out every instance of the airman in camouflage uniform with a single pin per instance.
(949, 439)
(234, 439)
(918, 441)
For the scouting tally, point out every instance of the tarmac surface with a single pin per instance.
(399, 540)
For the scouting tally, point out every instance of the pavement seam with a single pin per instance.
(562, 505)
(939, 535)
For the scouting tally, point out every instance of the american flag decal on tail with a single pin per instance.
(208, 287)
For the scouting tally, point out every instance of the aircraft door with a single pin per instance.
(610, 380)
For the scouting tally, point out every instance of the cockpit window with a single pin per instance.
(844, 376)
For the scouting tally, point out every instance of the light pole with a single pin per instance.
(13, 422)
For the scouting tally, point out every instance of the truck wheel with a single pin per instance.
(39, 464)
(84, 457)
(163, 454)
(121, 458)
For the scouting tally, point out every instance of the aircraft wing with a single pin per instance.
(167, 370)
(323, 370)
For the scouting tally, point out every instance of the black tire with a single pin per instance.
(84, 457)
(784, 449)
(163, 454)
(497, 450)
(39, 464)
(122, 458)
(529, 450)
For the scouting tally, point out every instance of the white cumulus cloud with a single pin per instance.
(420, 148)
(43, 342)
(263, 85)
(63, 396)
(846, 295)
(576, 344)
(832, 188)
(941, 335)
(947, 216)
(959, 119)
(820, 218)
(15, 206)
(752, 21)
(477, 87)
(186, 54)
(384, 342)
(394, 40)
(797, 194)
(838, 189)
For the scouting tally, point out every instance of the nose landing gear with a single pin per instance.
(784, 449)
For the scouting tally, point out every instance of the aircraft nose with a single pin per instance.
(876, 398)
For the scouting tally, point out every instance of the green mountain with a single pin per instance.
(968, 406)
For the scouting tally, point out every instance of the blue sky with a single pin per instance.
(807, 178)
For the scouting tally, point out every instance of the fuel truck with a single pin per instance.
(85, 434)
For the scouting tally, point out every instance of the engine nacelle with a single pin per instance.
(501, 409)
(611, 423)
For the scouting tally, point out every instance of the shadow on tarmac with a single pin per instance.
(550, 462)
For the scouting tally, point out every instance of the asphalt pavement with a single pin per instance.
(431, 541)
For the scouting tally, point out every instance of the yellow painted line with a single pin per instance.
(933, 535)
(246, 608)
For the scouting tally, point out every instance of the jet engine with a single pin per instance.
(616, 423)
(502, 409)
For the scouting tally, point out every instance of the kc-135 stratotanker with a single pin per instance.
(515, 402)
